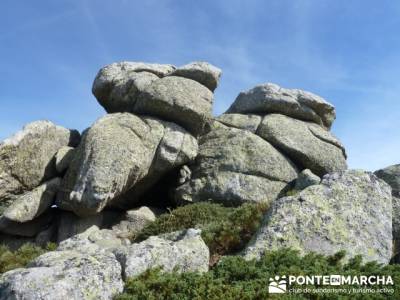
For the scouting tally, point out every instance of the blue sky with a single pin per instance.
(346, 51)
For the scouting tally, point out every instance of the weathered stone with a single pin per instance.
(306, 178)
(392, 176)
(134, 221)
(350, 210)
(32, 204)
(61, 275)
(93, 240)
(26, 159)
(235, 166)
(182, 251)
(64, 157)
(247, 122)
(307, 144)
(180, 100)
(185, 174)
(202, 72)
(271, 98)
(120, 157)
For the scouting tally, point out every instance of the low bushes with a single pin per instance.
(225, 230)
(20, 258)
(234, 278)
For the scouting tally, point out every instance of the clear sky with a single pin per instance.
(346, 51)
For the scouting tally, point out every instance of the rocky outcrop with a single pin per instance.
(270, 98)
(120, 153)
(236, 166)
(295, 126)
(159, 141)
(26, 159)
(349, 210)
(180, 251)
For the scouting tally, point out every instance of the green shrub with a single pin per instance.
(224, 229)
(235, 278)
(20, 258)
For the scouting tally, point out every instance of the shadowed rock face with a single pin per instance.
(349, 210)
(122, 152)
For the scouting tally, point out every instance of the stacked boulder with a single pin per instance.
(29, 179)
(156, 113)
(85, 192)
(90, 193)
(257, 148)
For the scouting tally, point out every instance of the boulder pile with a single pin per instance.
(159, 146)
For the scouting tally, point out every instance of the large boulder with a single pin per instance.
(307, 144)
(27, 158)
(271, 98)
(349, 211)
(119, 158)
(184, 96)
(180, 251)
(180, 100)
(236, 166)
(202, 72)
(117, 85)
(68, 274)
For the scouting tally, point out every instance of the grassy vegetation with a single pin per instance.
(225, 230)
(234, 278)
(20, 258)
